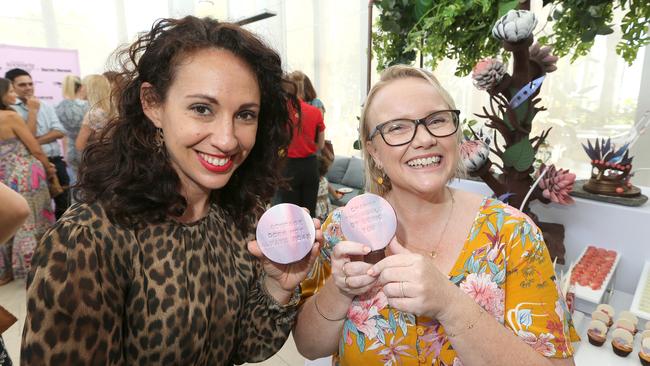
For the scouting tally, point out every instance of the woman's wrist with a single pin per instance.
(276, 291)
(332, 302)
(461, 314)
(456, 305)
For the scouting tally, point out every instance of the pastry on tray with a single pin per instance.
(631, 317)
(597, 332)
(609, 310)
(644, 354)
(625, 324)
(645, 334)
(603, 317)
(622, 342)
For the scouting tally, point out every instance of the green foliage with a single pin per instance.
(576, 23)
(397, 17)
(520, 156)
(466, 124)
(461, 29)
(446, 29)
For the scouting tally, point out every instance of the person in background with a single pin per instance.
(306, 90)
(301, 168)
(13, 213)
(325, 189)
(71, 111)
(157, 264)
(467, 280)
(101, 111)
(43, 122)
(24, 168)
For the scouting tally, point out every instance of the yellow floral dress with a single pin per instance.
(504, 266)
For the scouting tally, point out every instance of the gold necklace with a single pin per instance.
(434, 252)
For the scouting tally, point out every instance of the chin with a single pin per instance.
(215, 183)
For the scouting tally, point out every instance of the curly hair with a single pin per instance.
(136, 184)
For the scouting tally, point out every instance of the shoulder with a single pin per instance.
(308, 109)
(91, 216)
(502, 221)
(11, 117)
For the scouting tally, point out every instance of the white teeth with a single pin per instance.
(422, 162)
(214, 161)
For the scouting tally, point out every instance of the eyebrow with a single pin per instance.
(214, 100)
(209, 98)
(411, 119)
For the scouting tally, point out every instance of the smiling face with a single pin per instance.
(209, 118)
(425, 165)
(24, 87)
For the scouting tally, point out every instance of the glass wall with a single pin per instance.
(598, 95)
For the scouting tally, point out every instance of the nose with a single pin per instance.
(223, 136)
(423, 138)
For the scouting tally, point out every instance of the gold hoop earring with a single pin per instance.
(159, 140)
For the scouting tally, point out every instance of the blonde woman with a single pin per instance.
(98, 89)
(467, 280)
(71, 111)
(306, 90)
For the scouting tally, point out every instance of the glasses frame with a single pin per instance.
(417, 122)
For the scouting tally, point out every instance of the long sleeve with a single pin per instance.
(74, 300)
(264, 324)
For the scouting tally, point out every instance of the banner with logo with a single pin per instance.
(48, 67)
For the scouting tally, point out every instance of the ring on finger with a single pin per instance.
(401, 287)
(345, 280)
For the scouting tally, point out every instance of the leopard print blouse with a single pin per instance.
(168, 294)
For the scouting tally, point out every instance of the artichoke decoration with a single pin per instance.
(542, 56)
(488, 73)
(474, 154)
(515, 26)
(556, 184)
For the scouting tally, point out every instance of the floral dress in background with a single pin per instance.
(504, 266)
(323, 205)
(23, 173)
(71, 113)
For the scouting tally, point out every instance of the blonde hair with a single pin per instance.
(98, 89)
(71, 84)
(397, 72)
(298, 78)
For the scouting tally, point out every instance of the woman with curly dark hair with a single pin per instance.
(153, 266)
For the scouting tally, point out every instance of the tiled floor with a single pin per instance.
(12, 297)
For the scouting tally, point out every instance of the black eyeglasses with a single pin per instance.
(402, 131)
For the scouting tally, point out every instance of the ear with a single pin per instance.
(150, 105)
(372, 150)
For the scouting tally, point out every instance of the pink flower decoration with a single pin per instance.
(556, 185)
(487, 73)
(485, 292)
(474, 154)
